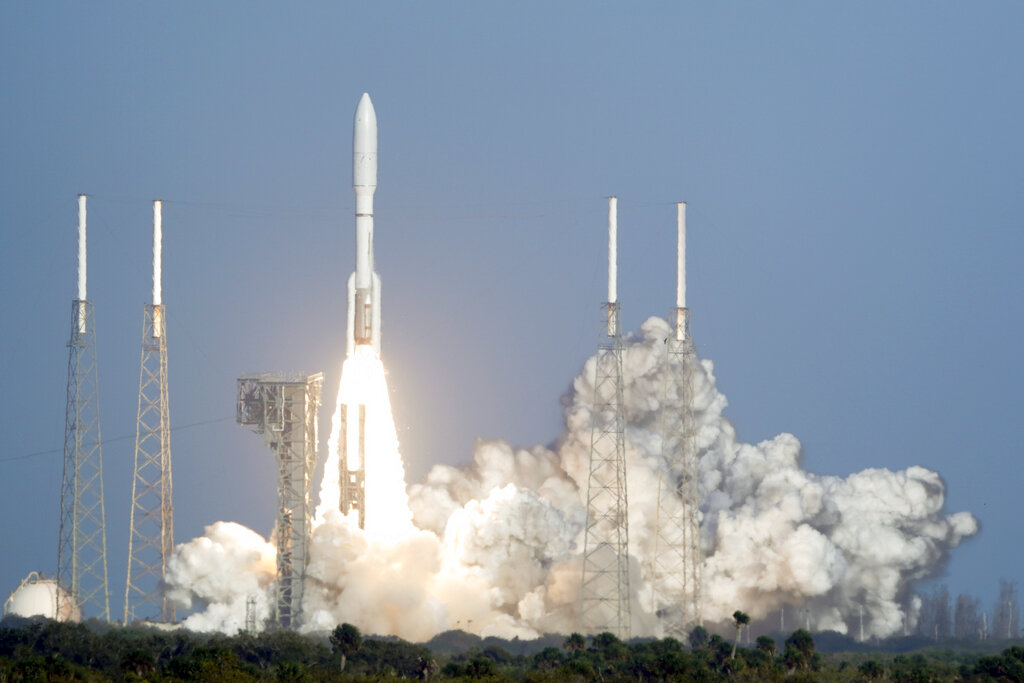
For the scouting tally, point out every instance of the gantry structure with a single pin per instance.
(151, 524)
(82, 545)
(676, 567)
(283, 408)
(605, 592)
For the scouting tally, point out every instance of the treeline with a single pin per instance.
(40, 650)
(43, 650)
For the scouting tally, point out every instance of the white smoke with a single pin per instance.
(222, 571)
(496, 544)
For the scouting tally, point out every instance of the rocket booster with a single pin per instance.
(364, 284)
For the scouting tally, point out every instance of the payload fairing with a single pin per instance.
(364, 284)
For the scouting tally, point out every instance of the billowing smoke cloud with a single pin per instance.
(496, 544)
(220, 571)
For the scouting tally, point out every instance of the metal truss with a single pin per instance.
(677, 558)
(284, 410)
(605, 590)
(151, 535)
(82, 548)
(250, 613)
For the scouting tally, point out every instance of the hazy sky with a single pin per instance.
(853, 173)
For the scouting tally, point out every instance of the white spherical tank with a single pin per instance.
(39, 596)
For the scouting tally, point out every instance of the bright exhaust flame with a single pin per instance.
(363, 383)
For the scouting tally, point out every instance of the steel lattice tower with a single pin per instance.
(605, 593)
(284, 410)
(151, 534)
(677, 558)
(250, 614)
(82, 547)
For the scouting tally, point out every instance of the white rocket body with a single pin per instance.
(364, 284)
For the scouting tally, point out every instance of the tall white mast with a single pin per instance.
(82, 262)
(82, 266)
(613, 249)
(157, 249)
(681, 255)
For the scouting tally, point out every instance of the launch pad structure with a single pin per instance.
(82, 545)
(151, 531)
(283, 408)
(605, 593)
(676, 567)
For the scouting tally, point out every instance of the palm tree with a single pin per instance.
(740, 619)
(799, 651)
(767, 645)
(574, 643)
(698, 637)
(346, 640)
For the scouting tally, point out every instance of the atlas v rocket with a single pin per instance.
(364, 284)
(363, 328)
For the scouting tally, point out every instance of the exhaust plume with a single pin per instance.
(494, 546)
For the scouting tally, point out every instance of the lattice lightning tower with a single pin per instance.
(605, 588)
(677, 563)
(284, 410)
(82, 547)
(151, 535)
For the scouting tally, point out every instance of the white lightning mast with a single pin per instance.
(677, 557)
(151, 535)
(82, 547)
(158, 243)
(605, 590)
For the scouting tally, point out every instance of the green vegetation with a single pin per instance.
(740, 619)
(40, 650)
(346, 641)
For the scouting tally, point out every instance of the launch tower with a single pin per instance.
(151, 535)
(283, 408)
(605, 590)
(82, 547)
(677, 558)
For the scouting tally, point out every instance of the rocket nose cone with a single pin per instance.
(365, 134)
(364, 144)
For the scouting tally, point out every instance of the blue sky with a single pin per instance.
(853, 176)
